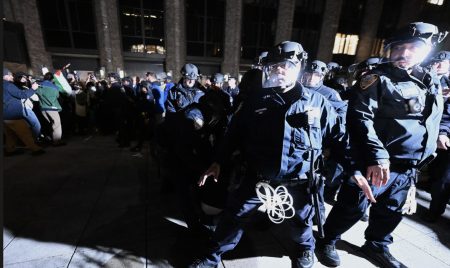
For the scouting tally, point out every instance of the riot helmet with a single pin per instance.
(283, 65)
(189, 71)
(217, 78)
(440, 62)
(365, 66)
(410, 45)
(314, 73)
(331, 66)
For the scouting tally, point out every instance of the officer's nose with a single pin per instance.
(406, 53)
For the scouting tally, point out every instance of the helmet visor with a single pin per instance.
(405, 55)
(281, 74)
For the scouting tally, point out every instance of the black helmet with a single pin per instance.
(426, 32)
(189, 71)
(217, 78)
(287, 50)
(333, 65)
(440, 56)
(369, 63)
(317, 66)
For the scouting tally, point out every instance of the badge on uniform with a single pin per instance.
(368, 80)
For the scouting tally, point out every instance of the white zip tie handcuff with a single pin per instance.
(277, 202)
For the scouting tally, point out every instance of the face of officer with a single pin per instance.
(232, 82)
(312, 79)
(281, 74)
(189, 82)
(442, 67)
(405, 55)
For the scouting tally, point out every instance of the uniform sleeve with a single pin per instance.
(362, 109)
(231, 139)
(339, 105)
(335, 136)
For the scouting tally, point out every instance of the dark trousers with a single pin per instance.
(440, 188)
(187, 195)
(241, 205)
(385, 215)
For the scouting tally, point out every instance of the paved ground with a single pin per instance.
(91, 204)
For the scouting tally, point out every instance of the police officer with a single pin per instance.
(312, 78)
(365, 66)
(186, 91)
(276, 129)
(190, 135)
(392, 121)
(232, 89)
(217, 81)
(440, 168)
(336, 78)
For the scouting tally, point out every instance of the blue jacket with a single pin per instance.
(158, 94)
(394, 117)
(180, 97)
(270, 129)
(12, 104)
(333, 97)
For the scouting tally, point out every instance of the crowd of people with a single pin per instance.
(290, 129)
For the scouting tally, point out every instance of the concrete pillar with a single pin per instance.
(8, 11)
(108, 35)
(232, 37)
(330, 23)
(285, 19)
(26, 12)
(369, 28)
(175, 36)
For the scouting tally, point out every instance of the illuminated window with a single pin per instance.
(142, 25)
(436, 2)
(345, 44)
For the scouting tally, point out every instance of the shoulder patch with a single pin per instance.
(368, 80)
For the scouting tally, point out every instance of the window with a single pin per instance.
(68, 23)
(307, 24)
(345, 44)
(205, 22)
(142, 24)
(258, 27)
(436, 2)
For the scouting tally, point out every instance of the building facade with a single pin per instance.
(137, 36)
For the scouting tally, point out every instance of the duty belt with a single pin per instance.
(298, 180)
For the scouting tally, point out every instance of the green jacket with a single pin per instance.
(48, 96)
